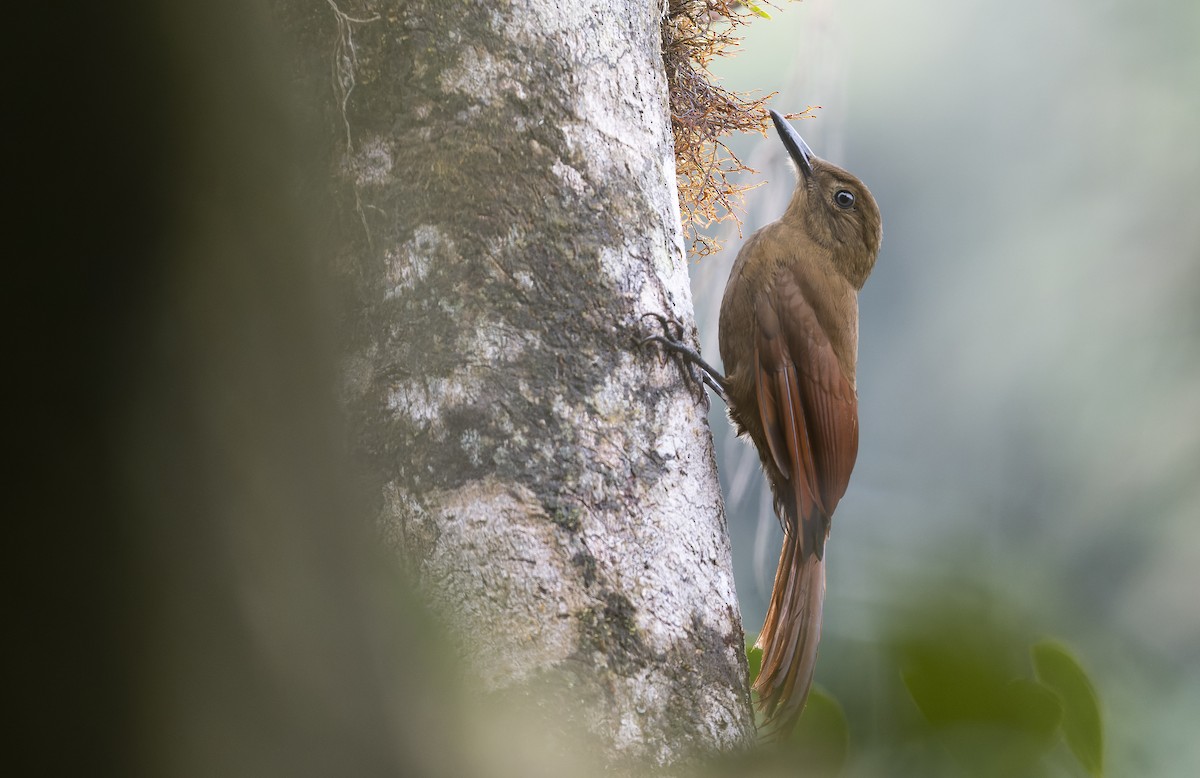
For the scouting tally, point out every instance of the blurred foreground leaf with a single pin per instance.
(966, 677)
(989, 726)
(949, 691)
(1059, 670)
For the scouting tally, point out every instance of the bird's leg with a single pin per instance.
(671, 339)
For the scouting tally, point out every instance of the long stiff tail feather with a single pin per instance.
(790, 636)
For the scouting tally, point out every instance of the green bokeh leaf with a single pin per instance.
(990, 722)
(1059, 670)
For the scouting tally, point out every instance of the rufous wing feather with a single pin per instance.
(809, 415)
(828, 400)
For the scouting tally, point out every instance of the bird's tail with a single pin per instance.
(790, 636)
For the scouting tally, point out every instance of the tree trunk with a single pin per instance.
(503, 189)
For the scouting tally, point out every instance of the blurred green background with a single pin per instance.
(1029, 366)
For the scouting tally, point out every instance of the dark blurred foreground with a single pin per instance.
(197, 592)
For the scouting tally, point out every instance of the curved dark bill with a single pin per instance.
(795, 145)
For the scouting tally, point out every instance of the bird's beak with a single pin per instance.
(795, 145)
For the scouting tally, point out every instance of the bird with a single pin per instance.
(788, 337)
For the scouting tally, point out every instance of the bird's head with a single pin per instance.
(833, 207)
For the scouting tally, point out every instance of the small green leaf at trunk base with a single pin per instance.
(754, 659)
(1057, 669)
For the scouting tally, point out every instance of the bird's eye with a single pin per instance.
(844, 198)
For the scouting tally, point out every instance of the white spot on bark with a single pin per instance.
(570, 176)
(372, 162)
(488, 345)
(485, 78)
(425, 401)
(496, 342)
(471, 446)
(409, 264)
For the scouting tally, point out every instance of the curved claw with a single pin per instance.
(672, 342)
(667, 323)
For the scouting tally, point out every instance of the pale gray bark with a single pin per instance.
(505, 206)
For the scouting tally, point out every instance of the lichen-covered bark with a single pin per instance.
(503, 212)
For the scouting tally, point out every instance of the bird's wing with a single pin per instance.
(807, 406)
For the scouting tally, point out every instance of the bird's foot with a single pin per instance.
(671, 341)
